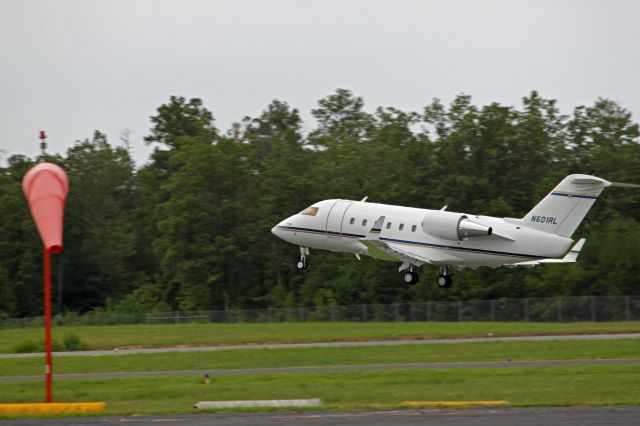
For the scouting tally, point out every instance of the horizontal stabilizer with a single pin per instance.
(570, 257)
(589, 180)
(625, 185)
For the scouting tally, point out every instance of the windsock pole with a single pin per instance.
(47, 324)
(46, 186)
(46, 272)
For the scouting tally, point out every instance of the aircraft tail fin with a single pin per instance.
(562, 210)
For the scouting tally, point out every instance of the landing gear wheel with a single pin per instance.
(302, 263)
(410, 277)
(444, 281)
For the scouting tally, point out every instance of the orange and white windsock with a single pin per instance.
(46, 187)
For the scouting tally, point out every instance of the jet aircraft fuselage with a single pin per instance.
(449, 240)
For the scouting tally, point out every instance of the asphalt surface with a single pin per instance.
(566, 416)
(292, 370)
(333, 344)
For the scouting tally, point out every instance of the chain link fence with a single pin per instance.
(550, 309)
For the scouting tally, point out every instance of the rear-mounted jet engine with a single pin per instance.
(452, 226)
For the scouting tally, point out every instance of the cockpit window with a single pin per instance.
(310, 211)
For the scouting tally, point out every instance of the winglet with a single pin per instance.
(377, 248)
(572, 255)
(376, 229)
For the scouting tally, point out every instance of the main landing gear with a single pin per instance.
(302, 263)
(410, 277)
(444, 279)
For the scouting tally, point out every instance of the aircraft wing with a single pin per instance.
(570, 257)
(377, 248)
(387, 250)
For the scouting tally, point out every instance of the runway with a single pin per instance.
(113, 352)
(567, 416)
(326, 369)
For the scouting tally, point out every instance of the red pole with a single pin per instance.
(47, 324)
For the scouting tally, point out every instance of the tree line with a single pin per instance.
(190, 229)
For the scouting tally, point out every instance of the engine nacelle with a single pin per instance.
(452, 226)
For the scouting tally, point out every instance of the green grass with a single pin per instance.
(548, 386)
(299, 357)
(151, 336)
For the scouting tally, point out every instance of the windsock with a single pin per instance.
(46, 187)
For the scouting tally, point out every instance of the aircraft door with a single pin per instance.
(336, 218)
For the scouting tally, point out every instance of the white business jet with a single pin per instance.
(449, 240)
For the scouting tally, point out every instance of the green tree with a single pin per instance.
(203, 221)
(99, 259)
(286, 180)
(20, 246)
(7, 298)
(178, 119)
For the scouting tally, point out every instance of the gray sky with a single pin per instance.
(72, 66)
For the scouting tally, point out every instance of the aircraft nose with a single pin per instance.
(277, 231)
(280, 230)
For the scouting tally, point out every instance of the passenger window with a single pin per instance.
(352, 221)
(311, 211)
(388, 225)
(413, 228)
(364, 222)
(401, 227)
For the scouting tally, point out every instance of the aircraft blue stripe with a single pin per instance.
(562, 194)
(319, 231)
(482, 251)
(436, 246)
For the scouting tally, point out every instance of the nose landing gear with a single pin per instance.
(302, 263)
(444, 279)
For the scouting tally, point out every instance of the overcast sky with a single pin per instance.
(72, 66)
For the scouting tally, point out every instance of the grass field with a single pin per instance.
(150, 336)
(299, 357)
(549, 386)
(541, 386)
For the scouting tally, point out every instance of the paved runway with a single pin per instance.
(335, 344)
(566, 416)
(374, 367)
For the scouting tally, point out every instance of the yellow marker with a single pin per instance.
(52, 408)
(452, 403)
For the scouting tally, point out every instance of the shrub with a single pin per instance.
(72, 342)
(26, 346)
(55, 346)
